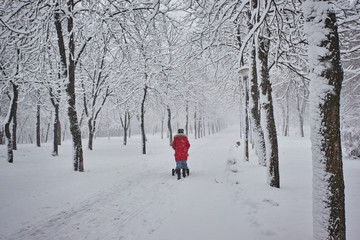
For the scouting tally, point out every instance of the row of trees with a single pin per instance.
(88, 54)
(302, 40)
(166, 63)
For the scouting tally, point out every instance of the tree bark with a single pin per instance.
(287, 115)
(246, 137)
(301, 110)
(2, 140)
(325, 86)
(162, 127)
(254, 109)
(125, 125)
(38, 138)
(91, 134)
(68, 71)
(125, 129)
(9, 118)
(169, 126)
(267, 109)
(58, 129)
(56, 125)
(143, 121)
(14, 120)
(57, 136)
(187, 120)
(195, 124)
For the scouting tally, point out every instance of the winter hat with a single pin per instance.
(180, 130)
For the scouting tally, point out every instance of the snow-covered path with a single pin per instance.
(125, 195)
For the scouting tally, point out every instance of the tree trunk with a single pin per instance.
(58, 129)
(70, 89)
(68, 71)
(287, 116)
(38, 138)
(91, 134)
(254, 109)
(9, 118)
(162, 127)
(199, 127)
(125, 125)
(125, 128)
(14, 121)
(56, 125)
(143, 121)
(301, 125)
(246, 137)
(2, 140)
(187, 120)
(325, 86)
(169, 126)
(195, 123)
(57, 134)
(47, 131)
(301, 110)
(267, 109)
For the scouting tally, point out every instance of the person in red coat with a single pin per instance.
(181, 146)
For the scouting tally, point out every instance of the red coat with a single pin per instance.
(181, 145)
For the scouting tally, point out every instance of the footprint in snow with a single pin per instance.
(271, 202)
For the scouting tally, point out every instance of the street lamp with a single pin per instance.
(244, 72)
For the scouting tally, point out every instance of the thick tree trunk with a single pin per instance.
(8, 120)
(91, 134)
(68, 71)
(254, 110)
(143, 121)
(325, 86)
(70, 89)
(267, 111)
(38, 138)
(169, 126)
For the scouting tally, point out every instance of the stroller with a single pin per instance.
(185, 172)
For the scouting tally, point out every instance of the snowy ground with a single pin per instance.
(126, 195)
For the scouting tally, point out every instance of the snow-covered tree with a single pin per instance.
(326, 77)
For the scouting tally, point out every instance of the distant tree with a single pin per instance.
(348, 13)
(96, 85)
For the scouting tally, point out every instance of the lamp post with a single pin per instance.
(244, 72)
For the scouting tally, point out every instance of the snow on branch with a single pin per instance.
(13, 29)
(255, 28)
